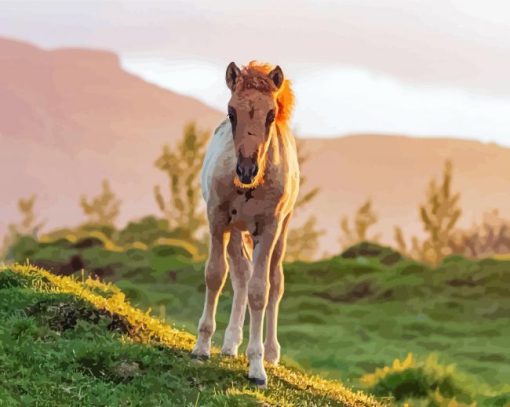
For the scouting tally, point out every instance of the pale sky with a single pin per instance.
(426, 68)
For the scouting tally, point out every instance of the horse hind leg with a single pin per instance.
(239, 251)
(276, 288)
(215, 274)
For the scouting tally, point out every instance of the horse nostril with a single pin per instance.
(238, 170)
(254, 170)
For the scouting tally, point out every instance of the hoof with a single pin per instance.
(200, 358)
(273, 361)
(272, 353)
(229, 354)
(262, 383)
(230, 348)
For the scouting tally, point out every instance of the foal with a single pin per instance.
(250, 182)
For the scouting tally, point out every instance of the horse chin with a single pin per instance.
(258, 180)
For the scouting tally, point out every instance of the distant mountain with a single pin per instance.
(71, 117)
(395, 172)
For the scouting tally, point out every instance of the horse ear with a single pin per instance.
(276, 76)
(233, 72)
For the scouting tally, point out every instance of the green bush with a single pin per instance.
(386, 255)
(411, 379)
(23, 248)
(146, 230)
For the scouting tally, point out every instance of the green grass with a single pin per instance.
(346, 316)
(67, 341)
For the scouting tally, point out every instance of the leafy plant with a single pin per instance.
(364, 218)
(28, 226)
(439, 215)
(146, 230)
(103, 209)
(182, 167)
(491, 237)
(303, 240)
(412, 379)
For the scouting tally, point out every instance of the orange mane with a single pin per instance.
(284, 97)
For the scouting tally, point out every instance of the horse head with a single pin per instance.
(253, 109)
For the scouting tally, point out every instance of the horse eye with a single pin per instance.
(270, 117)
(233, 118)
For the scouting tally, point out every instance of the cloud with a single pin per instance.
(438, 67)
(201, 79)
(337, 100)
(340, 101)
(462, 43)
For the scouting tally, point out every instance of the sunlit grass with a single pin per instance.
(110, 245)
(286, 386)
(419, 382)
(342, 318)
(398, 366)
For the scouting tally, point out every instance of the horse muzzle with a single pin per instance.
(246, 170)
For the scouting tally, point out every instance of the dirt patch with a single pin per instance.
(356, 293)
(391, 258)
(386, 255)
(63, 315)
(462, 282)
(74, 264)
(127, 370)
(102, 273)
(88, 242)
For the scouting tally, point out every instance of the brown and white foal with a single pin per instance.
(250, 182)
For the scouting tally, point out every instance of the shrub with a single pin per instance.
(364, 218)
(439, 215)
(410, 378)
(146, 230)
(491, 237)
(182, 166)
(28, 226)
(386, 255)
(103, 209)
(303, 240)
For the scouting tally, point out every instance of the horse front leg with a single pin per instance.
(215, 273)
(258, 288)
(240, 272)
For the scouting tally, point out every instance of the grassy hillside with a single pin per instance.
(77, 342)
(348, 317)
